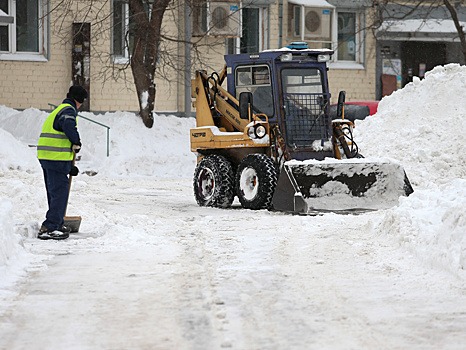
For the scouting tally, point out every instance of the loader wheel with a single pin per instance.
(256, 179)
(214, 182)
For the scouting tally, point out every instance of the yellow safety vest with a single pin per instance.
(53, 144)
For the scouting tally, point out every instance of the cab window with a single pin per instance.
(256, 79)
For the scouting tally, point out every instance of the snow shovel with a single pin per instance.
(73, 222)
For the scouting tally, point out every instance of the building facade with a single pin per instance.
(412, 40)
(49, 47)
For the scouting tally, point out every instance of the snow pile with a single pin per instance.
(13, 256)
(15, 154)
(420, 126)
(133, 149)
(14, 150)
(162, 151)
(431, 224)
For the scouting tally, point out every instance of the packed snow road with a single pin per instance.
(152, 270)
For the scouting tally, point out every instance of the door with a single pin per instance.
(419, 57)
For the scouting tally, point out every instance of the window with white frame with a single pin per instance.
(122, 38)
(255, 31)
(328, 27)
(26, 35)
(349, 37)
(123, 29)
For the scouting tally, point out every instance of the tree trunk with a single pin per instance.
(459, 28)
(145, 53)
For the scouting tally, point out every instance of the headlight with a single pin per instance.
(257, 132)
(260, 131)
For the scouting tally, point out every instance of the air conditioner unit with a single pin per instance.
(224, 19)
(317, 23)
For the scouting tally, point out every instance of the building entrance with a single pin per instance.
(418, 57)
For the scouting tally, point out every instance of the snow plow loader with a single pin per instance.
(267, 138)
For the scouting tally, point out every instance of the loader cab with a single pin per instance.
(291, 87)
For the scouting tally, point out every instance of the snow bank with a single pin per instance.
(162, 151)
(420, 126)
(431, 225)
(133, 149)
(16, 155)
(13, 256)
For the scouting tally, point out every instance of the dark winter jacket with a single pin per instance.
(64, 123)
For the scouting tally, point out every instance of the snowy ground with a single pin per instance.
(152, 270)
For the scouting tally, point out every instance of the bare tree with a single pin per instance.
(147, 37)
(459, 28)
(151, 56)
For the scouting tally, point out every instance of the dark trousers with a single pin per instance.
(57, 186)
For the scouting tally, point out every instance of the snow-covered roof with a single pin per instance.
(4, 18)
(312, 3)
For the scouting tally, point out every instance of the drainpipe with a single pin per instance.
(187, 61)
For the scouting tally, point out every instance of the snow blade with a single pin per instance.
(340, 185)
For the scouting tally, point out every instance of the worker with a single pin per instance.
(58, 143)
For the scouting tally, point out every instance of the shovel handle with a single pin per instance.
(70, 178)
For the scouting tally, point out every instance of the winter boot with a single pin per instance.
(61, 233)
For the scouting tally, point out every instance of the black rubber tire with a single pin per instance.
(256, 179)
(213, 182)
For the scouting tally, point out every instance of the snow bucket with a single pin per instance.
(340, 185)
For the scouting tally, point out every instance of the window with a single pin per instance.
(350, 37)
(256, 80)
(199, 18)
(122, 40)
(346, 36)
(26, 35)
(123, 28)
(305, 81)
(255, 32)
(305, 102)
(328, 27)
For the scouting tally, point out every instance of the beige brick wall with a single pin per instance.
(274, 26)
(25, 84)
(359, 84)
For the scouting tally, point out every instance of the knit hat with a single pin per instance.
(77, 93)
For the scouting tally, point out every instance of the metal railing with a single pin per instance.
(95, 122)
